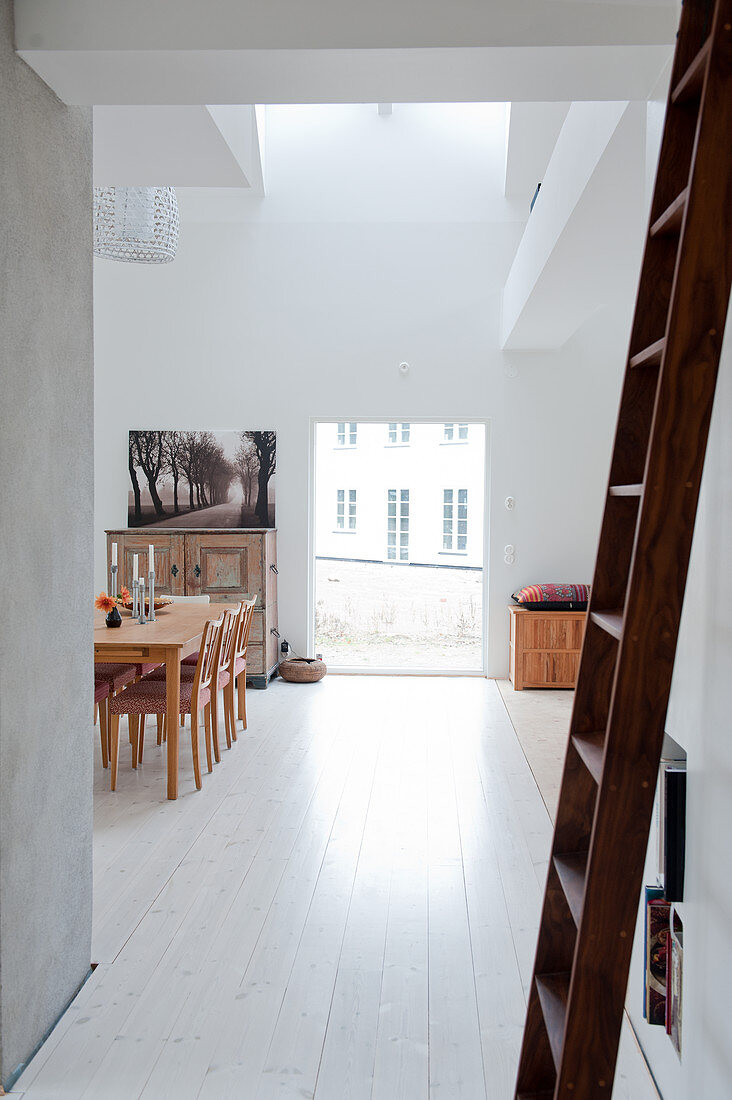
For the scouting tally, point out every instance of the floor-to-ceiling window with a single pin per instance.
(398, 536)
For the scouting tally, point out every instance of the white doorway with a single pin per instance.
(398, 535)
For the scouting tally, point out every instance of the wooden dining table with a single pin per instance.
(175, 634)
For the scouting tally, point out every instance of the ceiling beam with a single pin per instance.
(449, 75)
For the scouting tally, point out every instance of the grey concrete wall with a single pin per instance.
(46, 515)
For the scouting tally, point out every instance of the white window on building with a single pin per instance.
(451, 436)
(346, 497)
(399, 433)
(397, 531)
(347, 433)
(455, 525)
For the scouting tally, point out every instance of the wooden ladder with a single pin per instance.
(577, 993)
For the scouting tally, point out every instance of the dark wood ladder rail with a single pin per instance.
(577, 993)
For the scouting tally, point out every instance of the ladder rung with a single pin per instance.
(611, 621)
(553, 990)
(672, 217)
(572, 870)
(591, 749)
(650, 356)
(626, 490)
(692, 81)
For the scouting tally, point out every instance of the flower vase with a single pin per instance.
(113, 617)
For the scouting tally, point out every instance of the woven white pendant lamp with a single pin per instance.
(136, 224)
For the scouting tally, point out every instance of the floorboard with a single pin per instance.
(346, 911)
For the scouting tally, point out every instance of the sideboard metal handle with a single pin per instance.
(273, 630)
(274, 569)
(174, 570)
(197, 570)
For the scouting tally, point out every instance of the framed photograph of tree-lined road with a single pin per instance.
(216, 480)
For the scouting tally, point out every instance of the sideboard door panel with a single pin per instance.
(222, 566)
(169, 559)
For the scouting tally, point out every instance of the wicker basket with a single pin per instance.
(302, 670)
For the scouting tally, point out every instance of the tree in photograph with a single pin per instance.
(173, 453)
(133, 479)
(264, 445)
(150, 458)
(246, 466)
(186, 461)
(205, 450)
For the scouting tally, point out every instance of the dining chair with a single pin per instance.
(150, 697)
(237, 669)
(101, 695)
(223, 679)
(240, 659)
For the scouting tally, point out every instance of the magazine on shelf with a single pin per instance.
(656, 955)
(674, 981)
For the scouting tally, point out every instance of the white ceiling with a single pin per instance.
(337, 24)
(150, 66)
(344, 51)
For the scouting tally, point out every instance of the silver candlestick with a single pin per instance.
(113, 582)
(151, 578)
(135, 598)
(141, 585)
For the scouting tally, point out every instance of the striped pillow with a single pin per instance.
(553, 597)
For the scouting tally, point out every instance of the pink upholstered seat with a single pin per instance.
(149, 697)
(192, 660)
(101, 690)
(144, 670)
(187, 672)
(115, 673)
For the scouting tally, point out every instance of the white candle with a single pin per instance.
(135, 559)
(151, 558)
(114, 553)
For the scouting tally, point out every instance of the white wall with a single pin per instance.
(381, 240)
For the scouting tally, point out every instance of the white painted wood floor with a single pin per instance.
(347, 911)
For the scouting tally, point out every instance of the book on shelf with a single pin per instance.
(656, 955)
(674, 981)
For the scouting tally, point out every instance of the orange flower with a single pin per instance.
(124, 595)
(104, 602)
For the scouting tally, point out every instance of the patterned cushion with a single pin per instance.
(187, 672)
(143, 670)
(192, 660)
(114, 673)
(101, 690)
(553, 597)
(240, 665)
(149, 697)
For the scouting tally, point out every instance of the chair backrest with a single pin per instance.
(227, 640)
(207, 657)
(190, 599)
(245, 624)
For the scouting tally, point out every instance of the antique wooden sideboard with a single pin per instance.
(224, 565)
